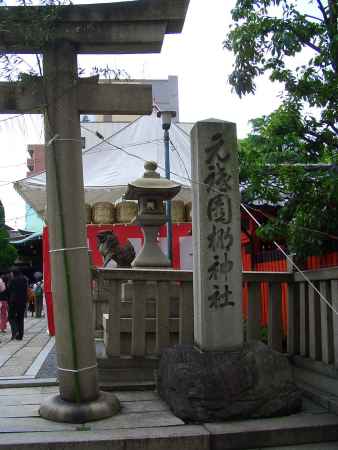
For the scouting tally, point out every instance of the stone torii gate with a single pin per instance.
(132, 27)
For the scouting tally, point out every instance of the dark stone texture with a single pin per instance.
(251, 382)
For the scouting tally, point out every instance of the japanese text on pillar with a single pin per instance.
(219, 211)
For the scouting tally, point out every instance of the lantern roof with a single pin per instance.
(151, 183)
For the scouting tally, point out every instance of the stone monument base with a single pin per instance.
(250, 382)
(59, 410)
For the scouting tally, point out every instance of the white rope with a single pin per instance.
(56, 138)
(69, 139)
(78, 370)
(69, 249)
(50, 142)
(321, 296)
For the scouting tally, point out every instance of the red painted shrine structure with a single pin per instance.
(256, 256)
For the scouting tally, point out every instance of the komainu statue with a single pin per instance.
(111, 250)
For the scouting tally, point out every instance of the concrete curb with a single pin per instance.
(27, 382)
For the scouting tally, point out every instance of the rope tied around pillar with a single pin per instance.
(68, 249)
(83, 369)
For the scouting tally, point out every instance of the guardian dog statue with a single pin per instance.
(111, 250)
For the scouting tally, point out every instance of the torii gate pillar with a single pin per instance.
(79, 399)
(133, 27)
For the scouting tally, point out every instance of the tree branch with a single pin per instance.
(313, 46)
(313, 17)
(332, 30)
(333, 127)
(322, 10)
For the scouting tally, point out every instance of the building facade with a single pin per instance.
(35, 165)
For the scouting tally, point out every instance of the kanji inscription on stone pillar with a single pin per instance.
(216, 236)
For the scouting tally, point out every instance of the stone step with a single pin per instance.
(127, 369)
(320, 376)
(127, 386)
(289, 431)
(299, 432)
(326, 400)
(146, 423)
(127, 362)
(133, 376)
(317, 446)
(191, 437)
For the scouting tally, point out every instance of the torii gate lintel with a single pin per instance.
(136, 27)
(92, 97)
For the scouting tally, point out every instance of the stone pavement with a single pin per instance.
(23, 359)
(146, 423)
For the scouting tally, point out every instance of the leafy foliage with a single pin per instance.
(8, 252)
(34, 27)
(306, 200)
(265, 37)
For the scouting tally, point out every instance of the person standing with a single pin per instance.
(30, 300)
(17, 289)
(38, 292)
(3, 304)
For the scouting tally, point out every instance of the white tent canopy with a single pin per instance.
(108, 166)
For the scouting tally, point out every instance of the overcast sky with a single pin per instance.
(198, 59)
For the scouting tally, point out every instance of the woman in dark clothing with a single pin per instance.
(17, 289)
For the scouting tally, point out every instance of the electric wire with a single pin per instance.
(322, 298)
(290, 260)
(200, 183)
(186, 178)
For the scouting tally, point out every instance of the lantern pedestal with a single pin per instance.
(151, 254)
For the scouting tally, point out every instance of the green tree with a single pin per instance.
(306, 200)
(266, 36)
(8, 252)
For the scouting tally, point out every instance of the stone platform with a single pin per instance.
(146, 423)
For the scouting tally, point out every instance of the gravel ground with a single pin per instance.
(48, 368)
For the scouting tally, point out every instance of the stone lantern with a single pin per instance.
(151, 191)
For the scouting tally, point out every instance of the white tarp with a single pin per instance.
(109, 166)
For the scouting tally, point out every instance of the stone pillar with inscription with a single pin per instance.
(221, 377)
(216, 236)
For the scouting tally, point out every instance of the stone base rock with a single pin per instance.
(251, 382)
(59, 410)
